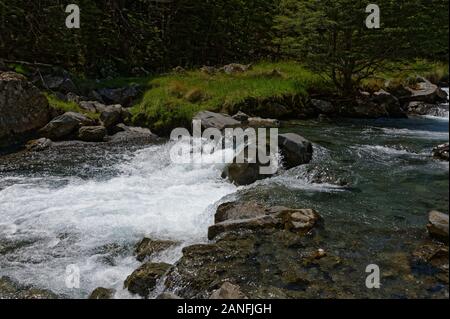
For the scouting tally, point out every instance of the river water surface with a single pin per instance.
(372, 181)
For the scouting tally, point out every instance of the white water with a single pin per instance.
(67, 225)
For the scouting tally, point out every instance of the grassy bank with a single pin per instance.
(175, 98)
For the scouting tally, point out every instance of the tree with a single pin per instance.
(332, 38)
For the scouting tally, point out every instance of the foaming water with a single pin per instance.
(94, 224)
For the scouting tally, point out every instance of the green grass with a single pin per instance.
(174, 99)
(58, 104)
(403, 73)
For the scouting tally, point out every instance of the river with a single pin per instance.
(373, 181)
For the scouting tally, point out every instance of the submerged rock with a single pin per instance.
(228, 291)
(441, 152)
(23, 108)
(102, 293)
(148, 247)
(92, 133)
(294, 149)
(216, 120)
(9, 289)
(65, 125)
(38, 145)
(143, 280)
(438, 226)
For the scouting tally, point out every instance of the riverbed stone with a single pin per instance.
(102, 293)
(23, 108)
(92, 133)
(295, 150)
(148, 247)
(438, 225)
(10, 289)
(65, 125)
(38, 145)
(228, 291)
(143, 280)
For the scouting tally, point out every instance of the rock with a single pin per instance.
(112, 115)
(438, 226)
(209, 70)
(232, 217)
(228, 291)
(72, 97)
(23, 108)
(389, 103)
(148, 247)
(249, 170)
(260, 122)
(427, 92)
(10, 289)
(144, 279)
(241, 117)
(92, 106)
(59, 83)
(324, 107)
(179, 70)
(102, 293)
(65, 125)
(441, 152)
(92, 133)
(38, 145)
(123, 96)
(167, 295)
(234, 68)
(129, 134)
(294, 149)
(422, 108)
(216, 120)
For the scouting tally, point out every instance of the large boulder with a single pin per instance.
(92, 133)
(294, 149)
(65, 125)
(148, 247)
(143, 280)
(441, 152)
(422, 108)
(10, 289)
(23, 108)
(216, 120)
(92, 106)
(102, 293)
(438, 225)
(127, 134)
(113, 115)
(425, 91)
(389, 103)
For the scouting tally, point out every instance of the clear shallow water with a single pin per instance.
(372, 181)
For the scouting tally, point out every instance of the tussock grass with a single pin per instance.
(64, 106)
(175, 98)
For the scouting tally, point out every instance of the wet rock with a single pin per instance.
(294, 149)
(260, 122)
(228, 291)
(235, 68)
(241, 117)
(431, 260)
(239, 216)
(92, 133)
(389, 103)
(102, 293)
(167, 295)
(324, 107)
(38, 145)
(123, 96)
(441, 152)
(422, 108)
(216, 120)
(65, 125)
(143, 280)
(131, 133)
(10, 289)
(23, 108)
(148, 247)
(438, 226)
(425, 91)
